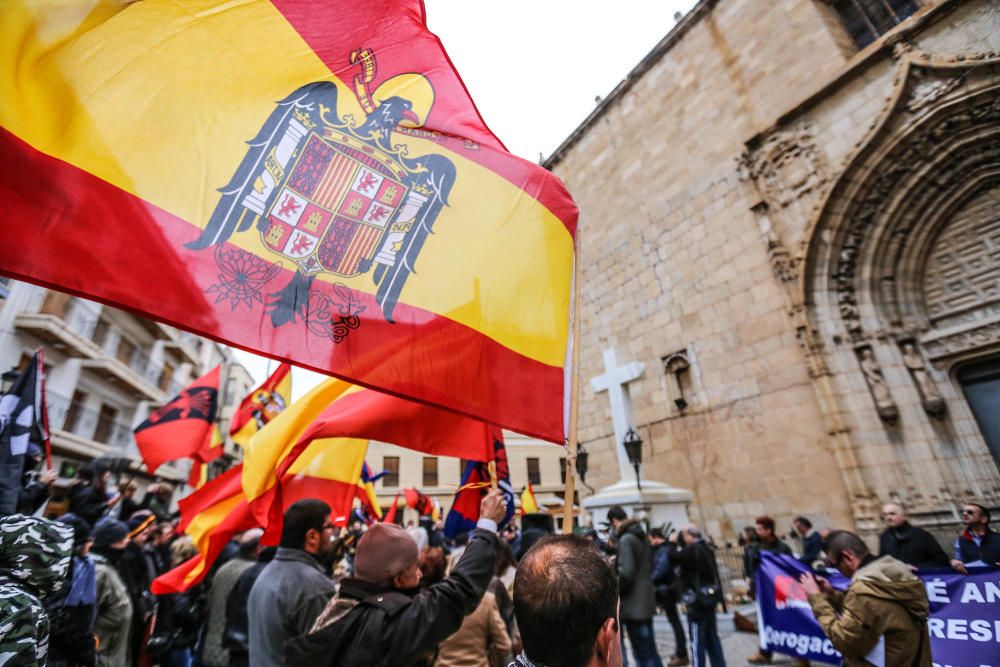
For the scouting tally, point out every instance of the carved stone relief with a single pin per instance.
(884, 405)
(930, 397)
(812, 345)
(786, 166)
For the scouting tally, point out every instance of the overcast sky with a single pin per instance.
(534, 69)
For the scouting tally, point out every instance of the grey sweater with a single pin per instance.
(288, 596)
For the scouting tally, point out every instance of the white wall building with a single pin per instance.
(106, 370)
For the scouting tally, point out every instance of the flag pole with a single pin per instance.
(574, 395)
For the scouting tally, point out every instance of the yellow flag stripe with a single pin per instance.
(118, 90)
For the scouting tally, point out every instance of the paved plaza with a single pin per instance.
(737, 646)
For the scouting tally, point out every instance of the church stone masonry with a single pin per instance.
(817, 226)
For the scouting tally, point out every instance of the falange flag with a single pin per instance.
(302, 178)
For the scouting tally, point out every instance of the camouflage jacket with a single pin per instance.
(35, 558)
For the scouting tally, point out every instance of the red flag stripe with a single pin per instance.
(128, 235)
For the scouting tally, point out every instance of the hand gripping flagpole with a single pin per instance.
(574, 395)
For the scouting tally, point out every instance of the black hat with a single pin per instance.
(81, 528)
(109, 531)
(617, 512)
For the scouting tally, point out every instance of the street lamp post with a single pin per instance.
(633, 449)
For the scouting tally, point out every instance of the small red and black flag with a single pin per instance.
(185, 427)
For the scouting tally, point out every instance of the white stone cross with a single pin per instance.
(615, 381)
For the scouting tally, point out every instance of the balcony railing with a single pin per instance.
(73, 417)
(78, 315)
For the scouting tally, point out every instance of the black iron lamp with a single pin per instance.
(581, 462)
(633, 449)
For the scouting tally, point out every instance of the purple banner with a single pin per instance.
(964, 625)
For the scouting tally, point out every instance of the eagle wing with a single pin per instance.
(222, 224)
(433, 173)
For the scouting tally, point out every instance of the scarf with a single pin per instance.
(83, 589)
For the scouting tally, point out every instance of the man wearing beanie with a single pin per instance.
(294, 587)
(114, 607)
(381, 617)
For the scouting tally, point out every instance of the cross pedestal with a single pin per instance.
(659, 503)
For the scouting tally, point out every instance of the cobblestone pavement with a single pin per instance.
(737, 646)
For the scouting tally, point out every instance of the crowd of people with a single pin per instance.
(76, 590)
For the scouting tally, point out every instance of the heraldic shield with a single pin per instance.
(331, 195)
(332, 212)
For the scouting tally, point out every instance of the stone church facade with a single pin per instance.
(790, 215)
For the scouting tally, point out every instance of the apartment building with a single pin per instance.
(530, 460)
(106, 371)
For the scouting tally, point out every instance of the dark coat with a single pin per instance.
(378, 626)
(697, 566)
(912, 545)
(635, 572)
(988, 549)
(180, 615)
(236, 635)
(812, 547)
(756, 548)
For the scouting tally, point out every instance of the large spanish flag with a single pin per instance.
(336, 414)
(308, 179)
(262, 405)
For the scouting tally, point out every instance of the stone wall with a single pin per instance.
(699, 186)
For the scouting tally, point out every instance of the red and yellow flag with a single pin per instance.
(528, 503)
(212, 515)
(308, 179)
(262, 405)
(340, 415)
(185, 427)
(328, 469)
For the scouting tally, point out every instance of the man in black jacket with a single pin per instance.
(634, 563)
(699, 574)
(977, 545)
(910, 544)
(380, 617)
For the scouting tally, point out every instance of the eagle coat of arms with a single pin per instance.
(329, 194)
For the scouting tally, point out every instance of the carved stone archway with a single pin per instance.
(868, 283)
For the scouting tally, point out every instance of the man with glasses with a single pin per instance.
(908, 543)
(882, 618)
(294, 588)
(977, 545)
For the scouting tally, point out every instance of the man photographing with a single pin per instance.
(382, 617)
(884, 610)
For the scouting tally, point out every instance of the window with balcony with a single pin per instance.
(166, 375)
(105, 424)
(867, 20)
(74, 411)
(56, 303)
(101, 329)
(390, 464)
(126, 351)
(534, 472)
(430, 471)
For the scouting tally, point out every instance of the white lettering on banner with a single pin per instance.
(798, 642)
(937, 590)
(990, 592)
(960, 629)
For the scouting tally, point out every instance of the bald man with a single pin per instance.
(910, 544)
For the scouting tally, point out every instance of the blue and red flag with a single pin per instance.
(476, 481)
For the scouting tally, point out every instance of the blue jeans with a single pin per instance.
(705, 639)
(640, 636)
